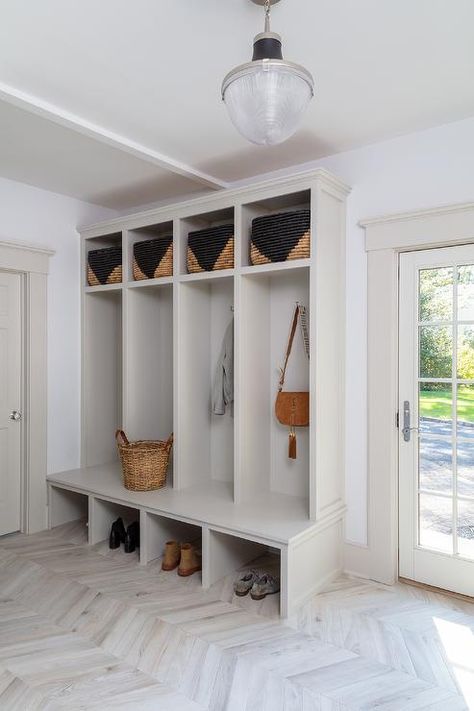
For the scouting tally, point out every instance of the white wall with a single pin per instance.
(36, 216)
(424, 169)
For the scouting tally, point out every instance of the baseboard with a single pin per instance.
(355, 574)
(363, 562)
(357, 560)
(317, 588)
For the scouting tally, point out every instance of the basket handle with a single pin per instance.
(121, 437)
(169, 442)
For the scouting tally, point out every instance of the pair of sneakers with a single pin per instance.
(257, 584)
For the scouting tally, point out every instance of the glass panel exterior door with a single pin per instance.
(436, 460)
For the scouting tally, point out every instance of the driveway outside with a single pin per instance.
(436, 462)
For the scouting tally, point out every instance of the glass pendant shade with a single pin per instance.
(266, 99)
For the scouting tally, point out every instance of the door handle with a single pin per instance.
(15, 416)
(407, 429)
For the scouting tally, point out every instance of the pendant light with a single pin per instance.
(267, 97)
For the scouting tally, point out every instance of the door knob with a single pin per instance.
(15, 415)
(407, 429)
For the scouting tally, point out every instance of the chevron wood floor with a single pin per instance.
(88, 628)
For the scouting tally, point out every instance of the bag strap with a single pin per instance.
(304, 329)
(289, 347)
(300, 311)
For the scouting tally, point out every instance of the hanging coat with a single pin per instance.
(223, 388)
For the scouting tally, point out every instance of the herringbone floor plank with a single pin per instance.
(88, 628)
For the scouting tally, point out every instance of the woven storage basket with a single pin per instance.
(153, 258)
(144, 463)
(104, 266)
(280, 238)
(211, 249)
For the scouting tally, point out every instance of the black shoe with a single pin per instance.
(117, 534)
(132, 537)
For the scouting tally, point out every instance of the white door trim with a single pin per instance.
(32, 262)
(386, 237)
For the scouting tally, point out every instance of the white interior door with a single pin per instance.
(436, 416)
(10, 398)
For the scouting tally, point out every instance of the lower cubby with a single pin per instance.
(65, 506)
(103, 513)
(228, 556)
(156, 530)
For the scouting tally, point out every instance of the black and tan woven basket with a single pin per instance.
(211, 249)
(281, 237)
(153, 258)
(144, 463)
(104, 266)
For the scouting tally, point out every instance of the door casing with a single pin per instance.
(32, 263)
(385, 238)
(418, 563)
(12, 511)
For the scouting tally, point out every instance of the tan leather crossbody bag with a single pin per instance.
(292, 408)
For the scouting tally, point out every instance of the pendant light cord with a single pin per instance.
(267, 7)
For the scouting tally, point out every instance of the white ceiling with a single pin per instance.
(39, 152)
(145, 76)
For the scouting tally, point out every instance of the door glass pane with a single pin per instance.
(436, 351)
(435, 408)
(436, 294)
(440, 473)
(465, 467)
(436, 523)
(436, 464)
(466, 352)
(466, 529)
(466, 293)
(465, 411)
(465, 440)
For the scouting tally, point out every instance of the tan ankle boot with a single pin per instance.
(171, 555)
(190, 561)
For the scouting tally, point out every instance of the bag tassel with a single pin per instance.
(292, 444)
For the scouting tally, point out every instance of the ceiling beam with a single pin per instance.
(53, 113)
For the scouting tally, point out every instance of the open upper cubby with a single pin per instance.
(114, 239)
(102, 375)
(290, 202)
(215, 218)
(143, 234)
(267, 308)
(206, 440)
(149, 363)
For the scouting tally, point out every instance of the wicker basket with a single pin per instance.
(153, 258)
(211, 249)
(144, 463)
(104, 266)
(281, 237)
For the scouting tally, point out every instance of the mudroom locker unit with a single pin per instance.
(149, 351)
